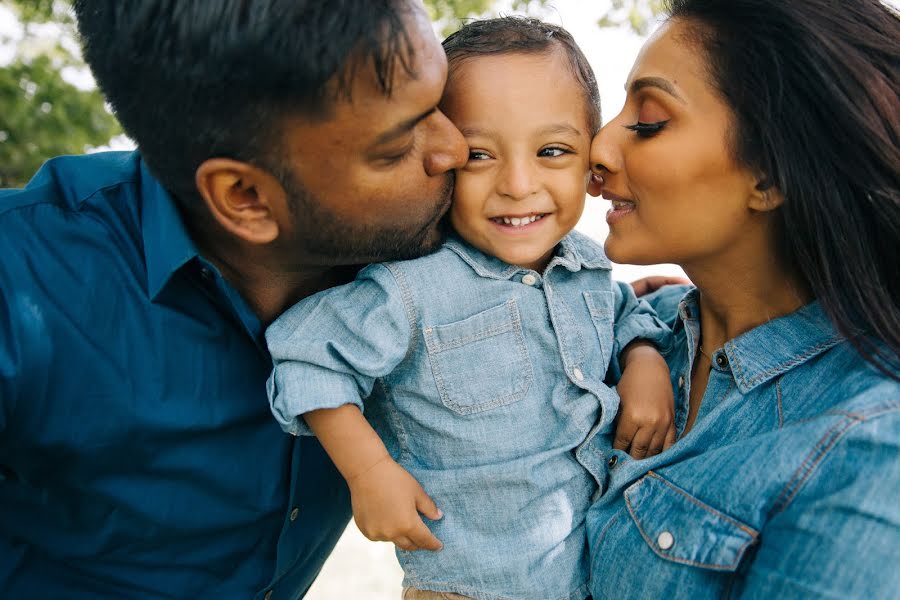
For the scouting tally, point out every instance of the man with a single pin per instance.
(280, 143)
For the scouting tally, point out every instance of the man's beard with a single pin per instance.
(329, 239)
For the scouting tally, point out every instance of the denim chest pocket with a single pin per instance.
(481, 362)
(600, 306)
(680, 528)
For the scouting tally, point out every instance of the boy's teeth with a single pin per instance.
(520, 221)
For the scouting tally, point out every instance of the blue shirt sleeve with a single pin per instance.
(839, 535)
(635, 319)
(329, 349)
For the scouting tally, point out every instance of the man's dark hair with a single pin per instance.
(814, 86)
(194, 80)
(512, 35)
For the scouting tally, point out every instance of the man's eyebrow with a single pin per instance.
(655, 82)
(403, 128)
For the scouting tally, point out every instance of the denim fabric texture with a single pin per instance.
(787, 486)
(482, 379)
(138, 455)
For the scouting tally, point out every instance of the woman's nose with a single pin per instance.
(605, 155)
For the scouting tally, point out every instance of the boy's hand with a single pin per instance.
(647, 411)
(386, 503)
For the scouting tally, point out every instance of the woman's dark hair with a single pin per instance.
(814, 86)
(524, 35)
(190, 80)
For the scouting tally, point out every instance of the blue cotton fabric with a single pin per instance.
(483, 379)
(787, 486)
(138, 456)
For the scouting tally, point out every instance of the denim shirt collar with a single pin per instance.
(569, 254)
(772, 348)
(167, 245)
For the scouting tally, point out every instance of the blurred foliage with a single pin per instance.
(43, 115)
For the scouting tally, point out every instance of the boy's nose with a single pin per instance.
(516, 181)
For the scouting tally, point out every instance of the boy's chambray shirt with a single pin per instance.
(482, 379)
(787, 486)
(138, 456)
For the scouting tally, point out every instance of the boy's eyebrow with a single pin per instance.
(403, 127)
(554, 129)
(655, 82)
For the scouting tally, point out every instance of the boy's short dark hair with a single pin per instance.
(510, 35)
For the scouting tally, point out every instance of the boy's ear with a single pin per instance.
(595, 185)
(243, 198)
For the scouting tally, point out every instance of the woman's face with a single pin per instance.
(677, 194)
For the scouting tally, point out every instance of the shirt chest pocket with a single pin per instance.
(680, 528)
(481, 362)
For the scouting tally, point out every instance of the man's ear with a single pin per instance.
(244, 199)
(764, 196)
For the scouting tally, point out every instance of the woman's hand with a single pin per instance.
(646, 424)
(387, 501)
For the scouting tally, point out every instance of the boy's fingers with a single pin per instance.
(426, 506)
(640, 444)
(422, 537)
(670, 437)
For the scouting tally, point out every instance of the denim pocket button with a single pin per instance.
(613, 461)
(665, 540)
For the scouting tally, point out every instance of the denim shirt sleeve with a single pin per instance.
(634, 319)
(329, 349)
(837, 533)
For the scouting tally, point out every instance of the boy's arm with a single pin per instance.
(646, 421)
(386, 498)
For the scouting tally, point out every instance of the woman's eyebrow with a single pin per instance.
(656, 82)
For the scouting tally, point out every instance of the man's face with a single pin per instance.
(373, 180)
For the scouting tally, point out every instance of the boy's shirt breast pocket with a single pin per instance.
(601, 308)
(481, 362)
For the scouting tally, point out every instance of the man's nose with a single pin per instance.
(447, 149)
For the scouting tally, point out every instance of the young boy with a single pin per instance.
(482, 366)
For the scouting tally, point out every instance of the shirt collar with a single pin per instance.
(772, 348)
(575, 252)
(167, 245)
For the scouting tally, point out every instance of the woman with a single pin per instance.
(758, 149)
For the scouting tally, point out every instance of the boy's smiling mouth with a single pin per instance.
(518, 221)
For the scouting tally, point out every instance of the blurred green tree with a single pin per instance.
(43, 114)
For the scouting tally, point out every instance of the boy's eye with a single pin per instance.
(551, 152)
(647, 130)
(478, 155)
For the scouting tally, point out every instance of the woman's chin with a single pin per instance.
(620, 253)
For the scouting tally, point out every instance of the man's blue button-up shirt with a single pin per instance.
(138, 456)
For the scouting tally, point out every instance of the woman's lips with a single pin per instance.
(621, 208)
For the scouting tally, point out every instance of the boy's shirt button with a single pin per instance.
(529, 279)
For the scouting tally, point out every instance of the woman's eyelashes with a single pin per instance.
(646, 130)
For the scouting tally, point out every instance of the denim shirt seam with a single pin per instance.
(408, 305)
(810, 463)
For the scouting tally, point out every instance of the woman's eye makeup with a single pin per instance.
(647, 130)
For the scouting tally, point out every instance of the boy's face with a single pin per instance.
(524, 117)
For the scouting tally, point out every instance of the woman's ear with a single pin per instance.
(242, 198)
(765, 197)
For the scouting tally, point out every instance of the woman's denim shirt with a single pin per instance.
(787, 486)
(482, 379)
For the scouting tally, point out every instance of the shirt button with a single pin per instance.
(665, 540)
(613, 461)
(681, 382)
(206, 274)
(722, 360)
(294, 514)
(529, 279)
(268, 595)
(578, 374)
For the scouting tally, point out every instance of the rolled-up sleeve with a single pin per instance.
(329, 349)
(635, 319)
